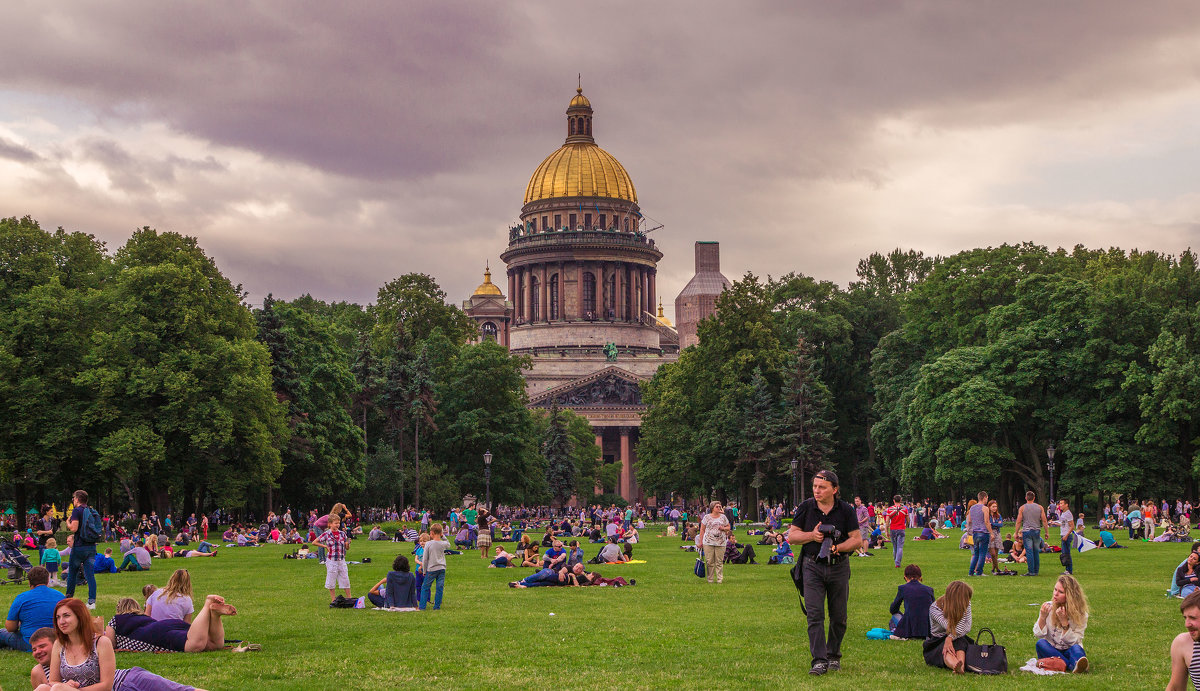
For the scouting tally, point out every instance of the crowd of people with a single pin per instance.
(70, 644)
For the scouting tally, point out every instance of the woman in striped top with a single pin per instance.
(949, 624)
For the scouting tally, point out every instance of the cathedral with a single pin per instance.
(582, 273)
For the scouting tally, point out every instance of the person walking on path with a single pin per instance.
(897, 517)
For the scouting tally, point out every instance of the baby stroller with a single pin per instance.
(17, 563)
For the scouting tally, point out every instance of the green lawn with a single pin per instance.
(671, 630)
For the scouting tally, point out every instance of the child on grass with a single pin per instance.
(51, 560)
(334, 542)
(433, 566)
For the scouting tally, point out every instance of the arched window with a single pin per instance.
(489, 331)
(589, 295)
(553, 297)
(572, 124)
(534, 294)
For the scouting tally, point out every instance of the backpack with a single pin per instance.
(91, 531)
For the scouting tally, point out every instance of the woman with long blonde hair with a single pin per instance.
(949, 624)
(1061, 624)
(174, 600)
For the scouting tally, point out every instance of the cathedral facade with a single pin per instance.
(582, 277)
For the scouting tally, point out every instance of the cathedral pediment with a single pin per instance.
(608, 388)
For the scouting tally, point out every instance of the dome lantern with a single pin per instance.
(579, 119)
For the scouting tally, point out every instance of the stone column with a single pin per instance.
(562, 291)
(653, 291)
(512, 291)
(579, 270)
(627, 488)
(526, 293)
(544, 301)
(620, 296)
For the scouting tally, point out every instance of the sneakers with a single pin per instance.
(632, 581)
(819, 668)
(92, 605)
(1081, 665)
(834, 665)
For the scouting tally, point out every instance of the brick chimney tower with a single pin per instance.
(699, 297)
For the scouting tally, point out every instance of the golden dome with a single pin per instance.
(580, 169)
(487, 287)
(580, 99)
(662, 318)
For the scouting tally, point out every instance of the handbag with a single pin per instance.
(986, 659)
(699, 568)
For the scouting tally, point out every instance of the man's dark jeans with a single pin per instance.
(84, 555)
(826, 582)
(1066, 552)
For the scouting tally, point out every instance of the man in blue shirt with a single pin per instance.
(555, 557)
(30, 611)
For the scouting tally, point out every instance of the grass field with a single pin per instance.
(671, 630)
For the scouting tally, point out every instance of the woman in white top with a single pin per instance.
(173, 601)
(714, 528)
(1061, 623)
(949, 624)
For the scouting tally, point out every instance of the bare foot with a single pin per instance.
(214, 599)
(223, 609)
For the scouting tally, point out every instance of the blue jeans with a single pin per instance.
(1187, 590)
(1066, 550)
(84, 555)
(1033, 556)
(13, 640)
(1070, 655)
(979, 553)
(427, 585)
(898, 546)
(204, 547)
(540, 578)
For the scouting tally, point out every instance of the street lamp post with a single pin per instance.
(487, 476)
(1050, 468)
(795, 484)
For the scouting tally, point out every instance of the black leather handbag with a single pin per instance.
(986, 659)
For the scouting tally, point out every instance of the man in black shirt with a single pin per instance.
(825, 576)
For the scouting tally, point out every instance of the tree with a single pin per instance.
(49, 288)
(561, 473)
(806, 432)
(176, 356)
(419, 303)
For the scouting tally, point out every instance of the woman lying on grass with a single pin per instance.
(205, 633)
(503, 559)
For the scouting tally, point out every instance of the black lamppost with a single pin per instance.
(487, 476)
(795, 484)
(1050, 468)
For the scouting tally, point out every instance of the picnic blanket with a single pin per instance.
(619, 563)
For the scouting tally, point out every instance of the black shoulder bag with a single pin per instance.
(986, 659)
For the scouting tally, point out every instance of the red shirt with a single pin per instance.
(898, 516)
(871, 510)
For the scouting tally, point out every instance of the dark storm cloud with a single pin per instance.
(351, 143)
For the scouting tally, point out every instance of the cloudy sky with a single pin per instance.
(329, 147)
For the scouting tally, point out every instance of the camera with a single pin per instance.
(831, 534)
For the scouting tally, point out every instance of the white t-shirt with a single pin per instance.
(161, 610)
(1065, 522)
(713, 534)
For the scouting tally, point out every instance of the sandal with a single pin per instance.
(248, 647)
